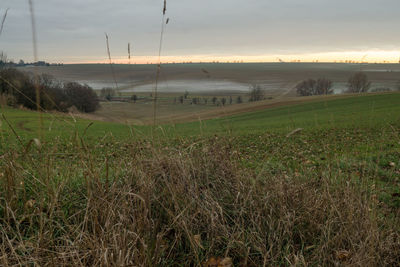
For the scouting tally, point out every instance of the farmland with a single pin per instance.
(331, 189)
(259, 133)
(205, 82)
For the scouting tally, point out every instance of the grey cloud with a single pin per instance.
(75, 28)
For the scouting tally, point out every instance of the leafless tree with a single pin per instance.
(256, 93)
(323, 87)
(358, 83)
(310, 87)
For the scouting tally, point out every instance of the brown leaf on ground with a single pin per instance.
(218, 262)
(30, 203)
(343, 255)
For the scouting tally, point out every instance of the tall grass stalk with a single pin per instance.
(3, 21)
(163, 24)
(110, 61)
(35, 59)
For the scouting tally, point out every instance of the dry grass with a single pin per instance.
(146, 206)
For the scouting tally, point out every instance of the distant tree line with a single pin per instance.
(20, 89)
(4, 62)
(357, 83)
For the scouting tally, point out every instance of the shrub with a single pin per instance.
(53, 94)
(82, 97)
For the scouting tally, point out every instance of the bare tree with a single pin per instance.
(306, 87)
(358, 83)
(3, 59)
(310, 87)
(186, 94)
(323, 87)
(256, 93)
(223, 101)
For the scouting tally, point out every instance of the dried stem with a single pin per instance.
(3, 21)
(35, 59)
(159, 64)
(111, 65)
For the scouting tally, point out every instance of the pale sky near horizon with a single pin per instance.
(249, 30)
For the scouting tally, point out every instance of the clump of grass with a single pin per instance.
(143, 204)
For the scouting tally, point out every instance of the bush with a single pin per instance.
(20, 85)
(53, 94)
(82, 97)
(358, 83)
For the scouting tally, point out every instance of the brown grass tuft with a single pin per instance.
(147, 206)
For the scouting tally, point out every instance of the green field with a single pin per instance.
(337, 113)
(237, 187)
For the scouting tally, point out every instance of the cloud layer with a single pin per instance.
(74, 30)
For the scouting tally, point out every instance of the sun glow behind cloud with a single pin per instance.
(369, 56)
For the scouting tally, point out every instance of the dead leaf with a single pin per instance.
(343, 255)
(218, 262)
(211, 262)
(30, 203)
(226, 262)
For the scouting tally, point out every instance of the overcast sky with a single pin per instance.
(250, 30)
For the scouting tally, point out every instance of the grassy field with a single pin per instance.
(235, 187)
(370, 110)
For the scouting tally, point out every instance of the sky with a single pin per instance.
(73, 31)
